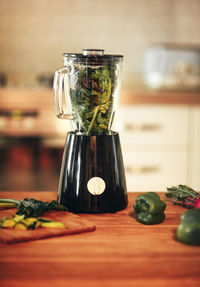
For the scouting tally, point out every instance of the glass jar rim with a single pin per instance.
(91, 53)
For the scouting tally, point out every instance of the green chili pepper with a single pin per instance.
(189, 229)
(149, 208)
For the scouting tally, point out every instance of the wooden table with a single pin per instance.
(121, 252)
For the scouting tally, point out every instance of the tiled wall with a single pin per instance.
(34, 33)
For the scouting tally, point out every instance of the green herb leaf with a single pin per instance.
(30, 207)
(181, 192)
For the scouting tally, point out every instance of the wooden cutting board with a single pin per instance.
(73, 224)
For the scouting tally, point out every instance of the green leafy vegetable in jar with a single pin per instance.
(92, 100)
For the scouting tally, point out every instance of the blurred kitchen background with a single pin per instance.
(159, 110)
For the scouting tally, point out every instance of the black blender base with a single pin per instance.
(92, 178)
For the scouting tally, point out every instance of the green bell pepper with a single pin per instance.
(149, 208)
(189, 229)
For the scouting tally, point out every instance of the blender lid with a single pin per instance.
(91, 53)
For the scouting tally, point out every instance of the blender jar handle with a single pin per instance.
(61, 94)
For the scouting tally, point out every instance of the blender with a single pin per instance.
(86, 91)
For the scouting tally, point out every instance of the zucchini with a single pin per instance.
(20, 226)
(52, 224)
(8, 223)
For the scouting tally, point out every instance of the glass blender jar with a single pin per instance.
(86, 91)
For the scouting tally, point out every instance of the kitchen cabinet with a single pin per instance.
(160, 145)
(31, 139)
(194, 148)
(159, 132)
(29, 112)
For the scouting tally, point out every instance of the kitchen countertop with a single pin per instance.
(45, 125)
(159, 98)
(121, 252)
(42, 98)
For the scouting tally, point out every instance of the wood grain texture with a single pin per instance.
(121, 252)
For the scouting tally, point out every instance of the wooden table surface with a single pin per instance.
(121, 252)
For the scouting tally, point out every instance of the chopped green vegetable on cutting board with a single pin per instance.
(30, 207)
(7, 223)
(29, 212)
(21, 223)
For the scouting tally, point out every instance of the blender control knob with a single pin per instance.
(96, 185)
